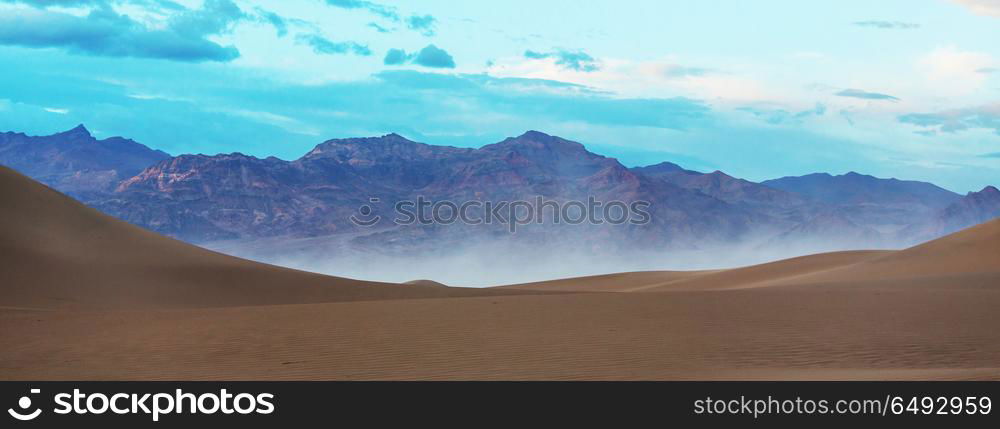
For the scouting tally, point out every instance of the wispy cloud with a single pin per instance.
(887, 25)
(384, 11)
(378, 28)
(571, 60)
(781, 116)
(279, 23)
(322, 45)
(955, 120)
(423, 24)
(857, 93)
(524, 97)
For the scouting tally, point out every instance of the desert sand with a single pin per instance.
(84, 296)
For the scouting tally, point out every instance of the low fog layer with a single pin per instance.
(501, 261)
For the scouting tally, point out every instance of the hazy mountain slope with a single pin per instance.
(854, 188)
(721, 185)
(207, 198)
(972, 209)
(203, 198)
(885, 205)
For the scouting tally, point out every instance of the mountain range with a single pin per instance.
(213, 198)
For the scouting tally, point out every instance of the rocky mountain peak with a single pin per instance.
(989, 190)
(77, 132)
(539, 139)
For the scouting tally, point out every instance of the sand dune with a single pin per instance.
(737, 278)
(83, 296)
(617, 282)
(58, 253)
(969, 258)
(966, 259)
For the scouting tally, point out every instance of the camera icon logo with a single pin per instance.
(25, 403)
(367, 215)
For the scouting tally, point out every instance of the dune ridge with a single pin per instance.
(84, 296)
(58, 253)
(966, 257)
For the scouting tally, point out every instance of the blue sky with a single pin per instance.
(759, 89)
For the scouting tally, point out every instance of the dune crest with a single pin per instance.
(970, 257)
(58, 253)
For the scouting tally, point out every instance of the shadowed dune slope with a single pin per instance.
(56, 253)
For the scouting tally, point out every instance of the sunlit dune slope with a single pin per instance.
(969, 258)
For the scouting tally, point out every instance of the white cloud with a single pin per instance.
(956, 72)
(982, 7)
(284, 122)
(56, 110)
(667, 77)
